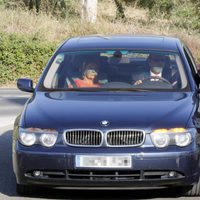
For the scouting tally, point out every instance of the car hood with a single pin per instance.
(141, 110)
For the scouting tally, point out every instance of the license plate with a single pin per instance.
(103, 161)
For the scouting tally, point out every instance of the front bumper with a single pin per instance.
(150, 168)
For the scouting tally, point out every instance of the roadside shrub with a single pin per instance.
(146, 4)
(2, 2)
(185, 16)
(157, 7)
(163, 7)
(56, 8)
(22, 57)
(14, 4)
(197, 6)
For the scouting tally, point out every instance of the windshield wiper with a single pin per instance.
(101, 89)
(127, 89)
(74, 89)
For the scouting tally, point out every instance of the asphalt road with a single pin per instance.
(11, 103)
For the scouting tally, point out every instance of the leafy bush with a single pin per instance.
(197, 6)
(157, 7)
(146, 4)
(22, 57)
(164, 7)
(2, 2)
(183, 13)
(14, 4)
(185, 16)
(57, 8)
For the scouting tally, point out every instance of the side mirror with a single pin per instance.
(25, 84)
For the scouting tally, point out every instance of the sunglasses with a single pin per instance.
(94, 71)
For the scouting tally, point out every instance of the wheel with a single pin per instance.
(193, 190)
(26, 189)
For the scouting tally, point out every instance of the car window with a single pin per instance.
(190, 60)
(116, 69)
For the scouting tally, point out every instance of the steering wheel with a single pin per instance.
(160, 79)
(155, 82)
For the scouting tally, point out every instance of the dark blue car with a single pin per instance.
(111, 112)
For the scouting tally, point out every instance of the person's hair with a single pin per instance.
(166, 59)
(87, 65)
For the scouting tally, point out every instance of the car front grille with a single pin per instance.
(125, 138)
(83, 137)
(121, 138)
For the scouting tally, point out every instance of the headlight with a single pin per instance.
(183, 139)
(27, 139)
(48, 140)
(176, 136)
(160, 140)
(44, 137)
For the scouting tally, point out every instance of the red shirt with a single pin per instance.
(85, 83)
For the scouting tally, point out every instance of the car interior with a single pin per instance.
(114, 72)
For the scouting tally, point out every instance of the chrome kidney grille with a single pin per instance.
(125, 138)
(95, 138)
(83, 137)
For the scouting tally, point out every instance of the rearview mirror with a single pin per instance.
(25, 84)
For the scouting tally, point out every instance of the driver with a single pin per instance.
(156, 65)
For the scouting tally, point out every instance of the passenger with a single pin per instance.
(89, 74)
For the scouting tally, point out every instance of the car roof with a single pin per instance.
(92, 42)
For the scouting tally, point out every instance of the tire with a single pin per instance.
(26, 189)
(193, 190)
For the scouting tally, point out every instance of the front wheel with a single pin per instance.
(193, 190)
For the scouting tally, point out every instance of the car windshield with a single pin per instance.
(116, 70)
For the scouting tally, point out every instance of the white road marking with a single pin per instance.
(14, 97)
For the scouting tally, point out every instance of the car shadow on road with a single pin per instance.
(8, 183)
(19, 101)
(110, 195)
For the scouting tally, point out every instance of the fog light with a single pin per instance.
(172, 174)
(36, 173)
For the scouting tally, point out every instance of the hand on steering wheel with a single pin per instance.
(152, 78)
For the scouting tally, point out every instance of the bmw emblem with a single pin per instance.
(105, 123)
